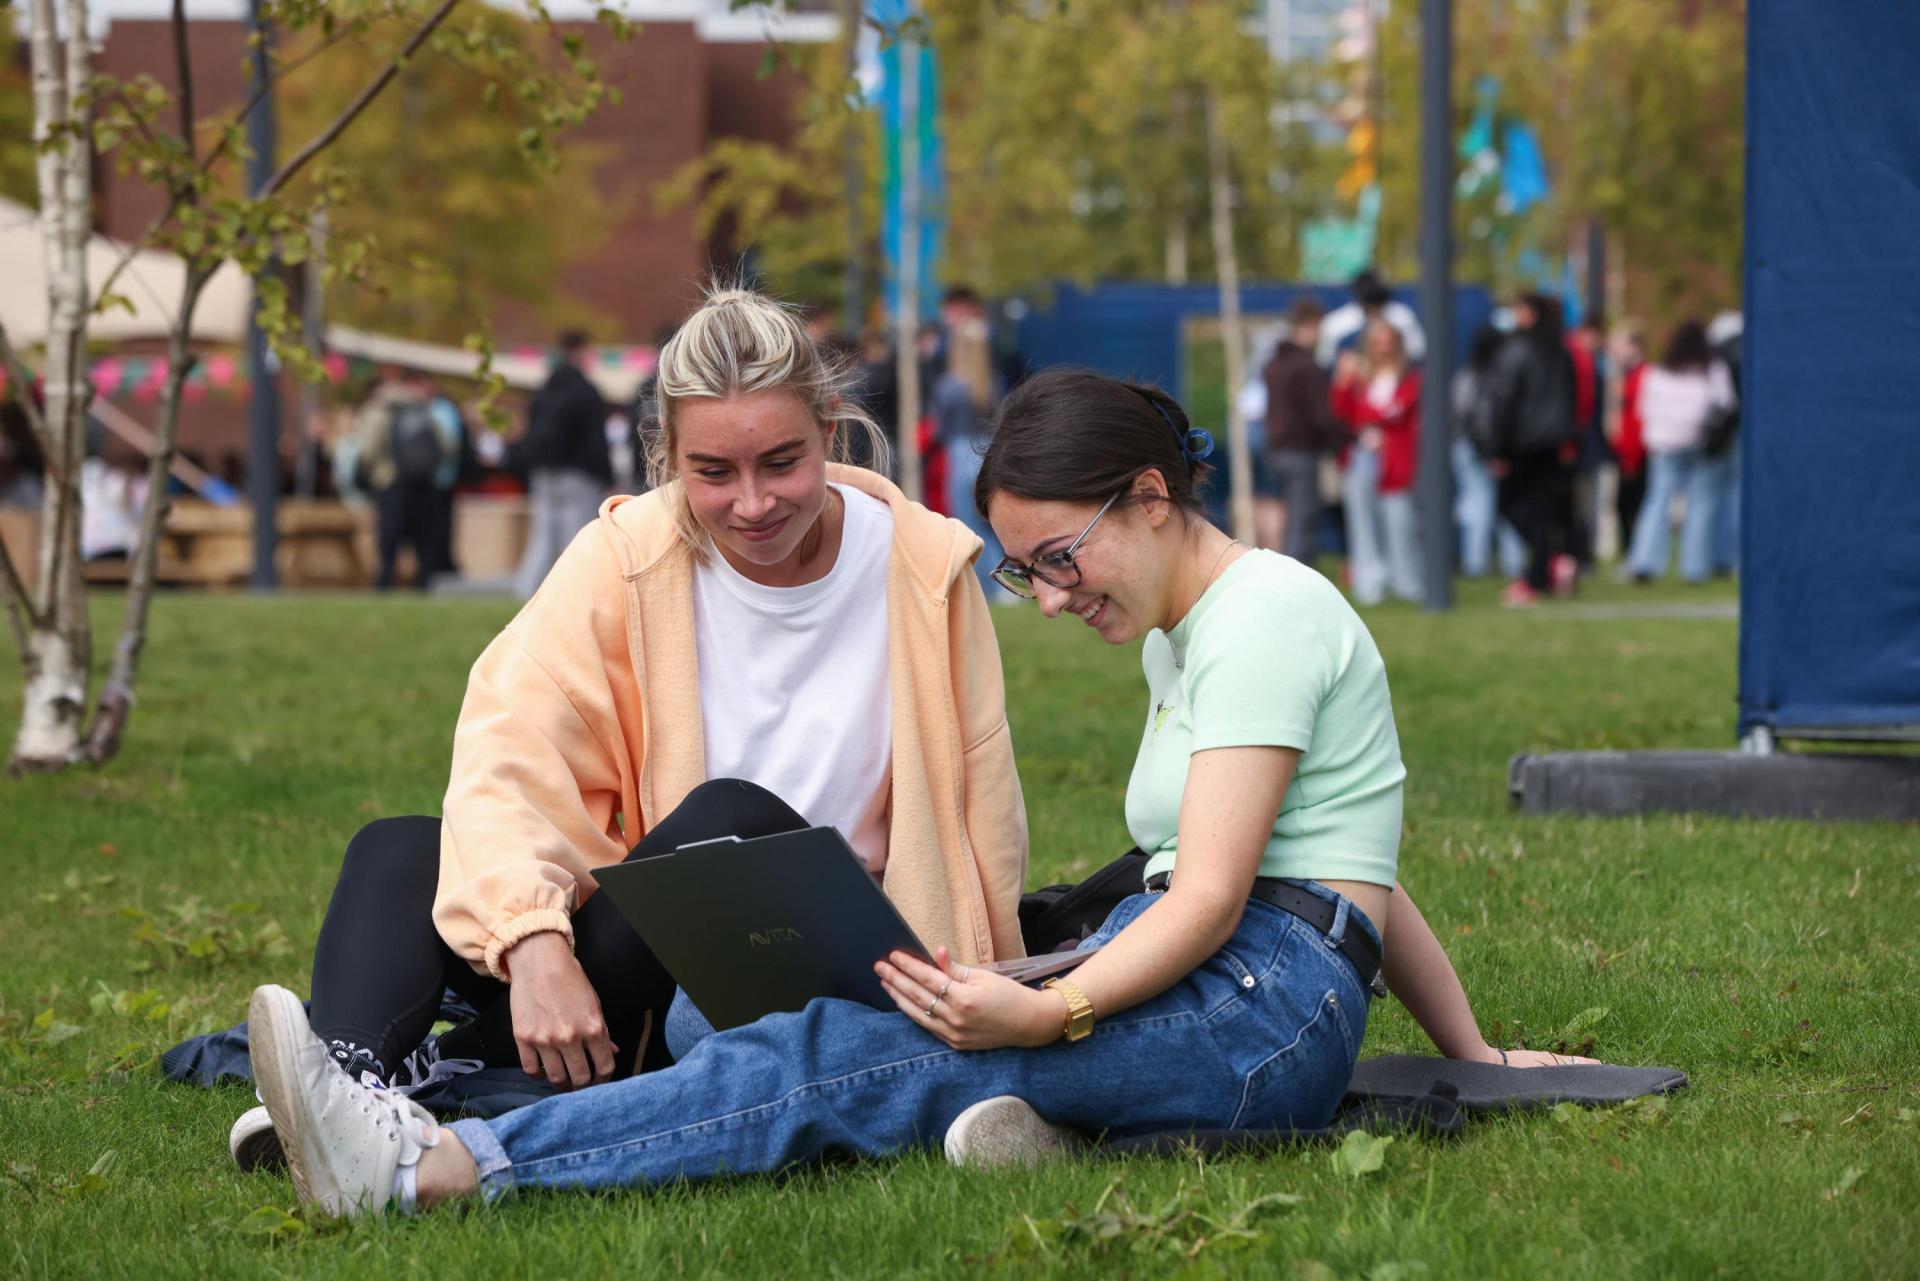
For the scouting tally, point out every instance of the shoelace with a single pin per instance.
(402, 1119)
(424, 1068)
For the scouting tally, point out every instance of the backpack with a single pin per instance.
(414, 441)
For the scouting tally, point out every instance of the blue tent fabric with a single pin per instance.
(1830, 602)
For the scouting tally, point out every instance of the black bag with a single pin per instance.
(1722, 426)
(414, 442)
(1057, 918)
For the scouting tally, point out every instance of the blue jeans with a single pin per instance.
(1264, 1033)
(963, 469)
(1671, 474)
(1724, 475)
(1476, 512)
(1366, 533)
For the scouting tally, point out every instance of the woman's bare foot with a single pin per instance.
(446, 1172)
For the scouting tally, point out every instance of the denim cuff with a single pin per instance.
(489, 1158)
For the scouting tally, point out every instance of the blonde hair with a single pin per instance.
(1369, 363)
(971, 361)
(740, 342)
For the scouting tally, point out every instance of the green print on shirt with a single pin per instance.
(1160, 713)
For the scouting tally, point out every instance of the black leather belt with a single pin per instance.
(1355, 944)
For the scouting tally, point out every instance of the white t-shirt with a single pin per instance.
(794, 692)
(1674, 406)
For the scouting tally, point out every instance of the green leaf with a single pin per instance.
(1360, 1154)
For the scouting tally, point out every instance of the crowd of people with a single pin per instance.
(1534, 451)
(1551, 428)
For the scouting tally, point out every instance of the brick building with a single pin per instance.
(687, 77)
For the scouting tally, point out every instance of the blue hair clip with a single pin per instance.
(1196, 443)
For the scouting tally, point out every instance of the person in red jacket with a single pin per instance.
(1629, 447)
(1378, 396)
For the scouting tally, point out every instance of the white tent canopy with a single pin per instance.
(152, 283)
(525, 373)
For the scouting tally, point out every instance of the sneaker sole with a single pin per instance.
(255, 1144)
(1000, 1132)
(275, 1023)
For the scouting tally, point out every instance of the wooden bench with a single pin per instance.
(206, 546)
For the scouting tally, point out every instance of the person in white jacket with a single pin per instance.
(1677, 397)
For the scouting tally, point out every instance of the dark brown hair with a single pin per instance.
(1687, 349)
(1071, 435)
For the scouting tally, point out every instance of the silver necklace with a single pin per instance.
(1179, 659)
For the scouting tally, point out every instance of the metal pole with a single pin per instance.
(853, 302)
(1435, 488)
(263, 417)
(907, 323)
(313, 319)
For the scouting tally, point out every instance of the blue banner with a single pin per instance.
(1830, 420)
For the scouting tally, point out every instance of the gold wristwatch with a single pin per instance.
(1079, 1024)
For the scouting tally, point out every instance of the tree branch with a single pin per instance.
(19, 603)
(183, 69)
(19, 372)
(115, 705)
(321, 141)
(181, 192)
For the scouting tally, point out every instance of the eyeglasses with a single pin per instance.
(1056, 569)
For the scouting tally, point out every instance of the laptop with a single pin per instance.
(755, 927)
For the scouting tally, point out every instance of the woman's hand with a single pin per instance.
(557, 1021)
(1371, 438)
(1531, 1058)
(972, 1009)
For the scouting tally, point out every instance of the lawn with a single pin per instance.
(1775, 962)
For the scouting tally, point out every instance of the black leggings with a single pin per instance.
(380, 964)
(1536, 497)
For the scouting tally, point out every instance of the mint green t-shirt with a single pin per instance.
(1271, 655)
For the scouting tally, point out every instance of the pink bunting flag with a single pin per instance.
(336, 366)
(220, 369)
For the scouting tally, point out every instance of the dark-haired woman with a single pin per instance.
(1676, 398)
(1527, 428)
(1230, 992)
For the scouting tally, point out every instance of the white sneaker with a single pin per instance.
(1006, 1131)
(344, 1141)
(254, 1142)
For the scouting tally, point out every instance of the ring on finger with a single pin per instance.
(943, 989)
(930, 1008)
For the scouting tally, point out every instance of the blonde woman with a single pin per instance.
(765, 641)
(1378, 397)
(963, 400)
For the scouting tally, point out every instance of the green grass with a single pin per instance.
(1775, 962)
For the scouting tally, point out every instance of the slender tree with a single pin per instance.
(155, 131)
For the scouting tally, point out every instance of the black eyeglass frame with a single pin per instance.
(1018, 578)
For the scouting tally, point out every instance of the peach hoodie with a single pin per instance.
(581, 729)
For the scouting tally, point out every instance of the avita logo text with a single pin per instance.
(778, 934)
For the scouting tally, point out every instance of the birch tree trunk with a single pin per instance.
(1232, 330)
(59, 648)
